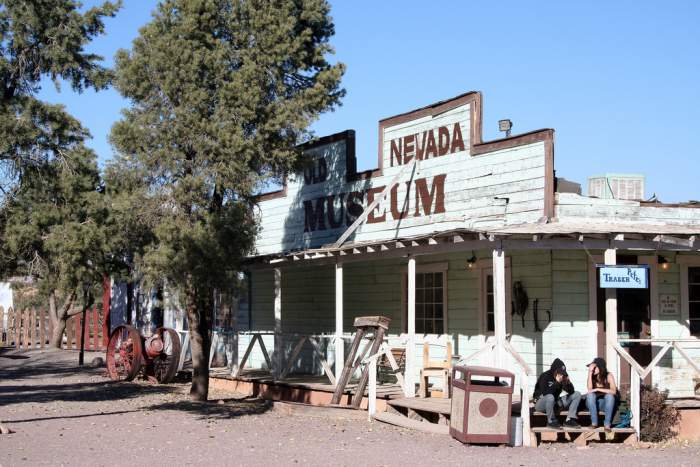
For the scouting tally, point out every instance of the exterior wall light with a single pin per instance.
(663, 262)
(471, 261)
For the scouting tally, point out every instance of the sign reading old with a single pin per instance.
(624, 277)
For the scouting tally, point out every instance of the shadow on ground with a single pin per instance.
(54, 376)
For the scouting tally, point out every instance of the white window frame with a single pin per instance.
(441, 267)
(484, 268)
(685, 262)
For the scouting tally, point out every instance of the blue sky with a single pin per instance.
(618, 81)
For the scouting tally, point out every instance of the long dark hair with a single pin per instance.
(602, 377)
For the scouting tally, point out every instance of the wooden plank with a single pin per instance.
(339, 343)
(70, 331)
(322, 358)
(25, 329)
(42, 328)
(405, 422)
(18, 327)
(656, 360)
(293, 357)
(687, 358)
(95, 329)
(246, 354)
(434, 405)
(34, 338)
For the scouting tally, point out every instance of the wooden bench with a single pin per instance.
(582, 436)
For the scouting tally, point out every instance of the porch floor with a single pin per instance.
(308, 389)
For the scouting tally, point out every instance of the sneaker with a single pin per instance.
(608, 428)
(554, 425)
(572, 423)
(594, 427)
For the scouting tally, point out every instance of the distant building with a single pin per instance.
(617, 186)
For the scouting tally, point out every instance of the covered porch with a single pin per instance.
(303, 305)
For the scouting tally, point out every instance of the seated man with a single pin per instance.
(549, 399)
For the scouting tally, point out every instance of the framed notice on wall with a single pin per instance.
(669, 304)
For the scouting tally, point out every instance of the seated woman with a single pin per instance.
(602, 393)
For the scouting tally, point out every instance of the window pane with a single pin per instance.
(439, 326)
(489, 324)
(694, 310)
(419, 280)
(420, 311)
(438, 295)
(694, 292)
(694, 275)
(438, 311)
(438, 279)
(420, 295)
(428, 280)
(420, 326)
(695, 326)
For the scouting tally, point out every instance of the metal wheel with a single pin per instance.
(165, 365)
(124, 353)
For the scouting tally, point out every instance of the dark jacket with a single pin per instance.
(546, 384)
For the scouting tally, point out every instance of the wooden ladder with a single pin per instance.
(375, 326)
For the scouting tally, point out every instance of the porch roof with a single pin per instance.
(583, 234)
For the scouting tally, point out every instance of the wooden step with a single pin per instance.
(582, 436)
(430, 404)
(405, 422)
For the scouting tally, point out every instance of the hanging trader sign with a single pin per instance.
(623, 276)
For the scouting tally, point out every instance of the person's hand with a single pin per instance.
(591, 368)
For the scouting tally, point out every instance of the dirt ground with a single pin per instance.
(66, 415)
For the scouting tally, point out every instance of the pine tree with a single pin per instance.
(221, 93)
(50, 207)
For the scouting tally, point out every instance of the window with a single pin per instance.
(430, 306)
(487, 308)
(490, 323)
(431, 299)
(694, 300)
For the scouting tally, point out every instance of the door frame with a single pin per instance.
(597, 333)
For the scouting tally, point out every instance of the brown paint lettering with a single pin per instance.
(372, 218)
(313, 218)
(443, 140)
(333, 221)
(395, 201)
(354, 208)
(420, 147)
(457, 141)
(396, 151)
(408, 147)
(436, 195)
(431, 148)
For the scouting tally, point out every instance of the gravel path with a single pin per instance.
(65, 415)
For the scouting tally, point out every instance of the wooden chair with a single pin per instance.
(436, 368)
(385, 372)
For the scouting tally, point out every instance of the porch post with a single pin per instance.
(611, 318)
(278, 361)
(339, 344)
(409, 378)
(499, 306)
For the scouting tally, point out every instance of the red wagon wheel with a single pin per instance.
(124, 355)
(166, 363)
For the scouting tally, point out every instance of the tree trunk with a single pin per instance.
(59, 317)
(200, 342)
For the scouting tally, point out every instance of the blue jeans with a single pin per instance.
(601, 402)
(549, 405)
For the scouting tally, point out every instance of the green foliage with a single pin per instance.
(222, 92)
(53, 225)
(43, 38)
(658, 419)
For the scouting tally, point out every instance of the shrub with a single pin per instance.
(658, 419)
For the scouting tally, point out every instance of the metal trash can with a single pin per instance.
(481, 404)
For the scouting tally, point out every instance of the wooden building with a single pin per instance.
(440, 235)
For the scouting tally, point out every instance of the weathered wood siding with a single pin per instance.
(454, 190)
(576, 208)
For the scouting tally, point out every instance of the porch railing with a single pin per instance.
(638, 372)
